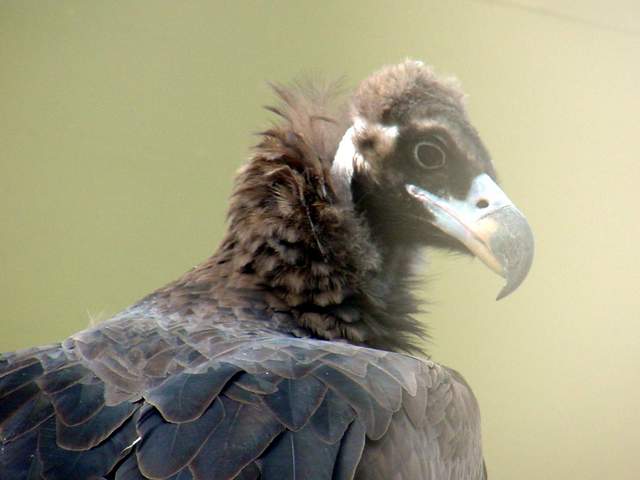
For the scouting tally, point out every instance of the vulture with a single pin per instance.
(293, 351)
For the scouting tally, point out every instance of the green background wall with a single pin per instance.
(122, 123)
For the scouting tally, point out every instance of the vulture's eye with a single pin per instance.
(429, 155)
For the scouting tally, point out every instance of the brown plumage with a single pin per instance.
(279, 356)
(294, 246)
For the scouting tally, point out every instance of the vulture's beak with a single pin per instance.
(488, 224)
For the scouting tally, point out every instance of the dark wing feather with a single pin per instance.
(161, 398)
(445, 438)
(129, 470)
(295, 401)
(350, 453)
(20, 376)
(18, 460)
(26, 417)
(167, 447)
(95, 430)
(185, 396)
(245, 432)
(332, 418)
(79, 402)
(300, 455)
(374, 416)
(59, 463)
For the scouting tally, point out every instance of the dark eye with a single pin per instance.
(429, 155)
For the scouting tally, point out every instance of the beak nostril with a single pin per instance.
(482, 203)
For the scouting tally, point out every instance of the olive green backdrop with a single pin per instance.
(122, 123)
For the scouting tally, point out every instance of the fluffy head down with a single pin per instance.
(295, 250)
(328, 246)
(398, 93)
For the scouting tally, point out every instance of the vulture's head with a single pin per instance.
(327, 216)
(416, 168)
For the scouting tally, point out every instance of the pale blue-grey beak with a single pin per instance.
(488, 224)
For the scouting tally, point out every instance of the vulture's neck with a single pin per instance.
(297, 246)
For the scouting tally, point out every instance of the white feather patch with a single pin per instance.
(347, 156)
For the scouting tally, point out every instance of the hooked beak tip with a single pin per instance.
(500, 236)
(513, 245)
